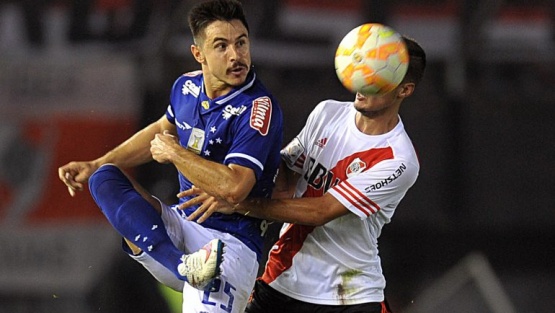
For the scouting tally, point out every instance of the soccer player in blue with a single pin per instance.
(223, 132)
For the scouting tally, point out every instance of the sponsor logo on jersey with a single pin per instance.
(261, 115)
(319, 178)
(292, 154)
(356, 167)
(190, 88)
(398, 172)
(229, 111)
(321, 142)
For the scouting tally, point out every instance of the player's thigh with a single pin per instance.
(187, 236)
(266, 299)
(155, 202)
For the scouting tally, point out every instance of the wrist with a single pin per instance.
(95, 164)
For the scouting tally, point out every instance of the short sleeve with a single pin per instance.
(379, 188)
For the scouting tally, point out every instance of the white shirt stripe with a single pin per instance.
(246, 156)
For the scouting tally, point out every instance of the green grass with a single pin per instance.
(174, 298)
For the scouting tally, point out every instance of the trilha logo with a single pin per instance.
(190, 88)
(230, 111)
(261, 115)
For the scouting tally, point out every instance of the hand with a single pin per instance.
(208, 204)
(163, 147)
(75, 174)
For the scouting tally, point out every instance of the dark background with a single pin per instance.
(481, 120)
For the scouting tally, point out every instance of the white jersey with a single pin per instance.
(338, 263)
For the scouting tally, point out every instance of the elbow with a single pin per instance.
(319, 220)
(312, 211)
(324, 214)
(314, 219)
(235, 187)
(232, 199)
(233, 195)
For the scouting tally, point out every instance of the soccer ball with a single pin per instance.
(371, 59)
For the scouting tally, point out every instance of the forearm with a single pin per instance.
(298, 211)
(134, 151)
(217, 179)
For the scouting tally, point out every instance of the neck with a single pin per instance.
(215, 89)
(375, 123)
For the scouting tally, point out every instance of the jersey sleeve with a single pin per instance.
(257, 134)
(170, 115)
(294, 153)
(379, 188)
(182, 86)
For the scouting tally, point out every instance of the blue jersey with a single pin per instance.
(243, 127)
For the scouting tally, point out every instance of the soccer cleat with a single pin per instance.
(201, 267)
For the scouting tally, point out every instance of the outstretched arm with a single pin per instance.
(307, 211)
(314, 211)
(132, 152)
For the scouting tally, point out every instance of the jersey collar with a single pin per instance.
(249, 82)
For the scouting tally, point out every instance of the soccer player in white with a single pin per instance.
(353, 163)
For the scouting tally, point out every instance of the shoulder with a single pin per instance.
(333, 106)
(188, 83)
(193, 76)
(405, 158)
(330, 109)
(256, 98)
(258, 93)
(401, 141)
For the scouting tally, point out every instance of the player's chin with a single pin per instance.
(236, 80)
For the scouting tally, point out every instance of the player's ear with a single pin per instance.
(197, 53)
(406, 90)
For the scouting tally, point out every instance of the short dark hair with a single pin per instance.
(207, 12)
(417, 61)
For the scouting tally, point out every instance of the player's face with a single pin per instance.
(225, 55)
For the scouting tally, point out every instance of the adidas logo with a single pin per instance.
(321, 142)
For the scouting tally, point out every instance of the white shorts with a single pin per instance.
(239, 267)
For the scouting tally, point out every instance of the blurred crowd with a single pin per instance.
(90, 20)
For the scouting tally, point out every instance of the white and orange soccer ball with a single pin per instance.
(371, 59)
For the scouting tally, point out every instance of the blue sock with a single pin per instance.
(132, 216)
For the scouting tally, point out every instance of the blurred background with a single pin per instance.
(475, 234)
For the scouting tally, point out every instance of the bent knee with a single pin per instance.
(105, 173)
